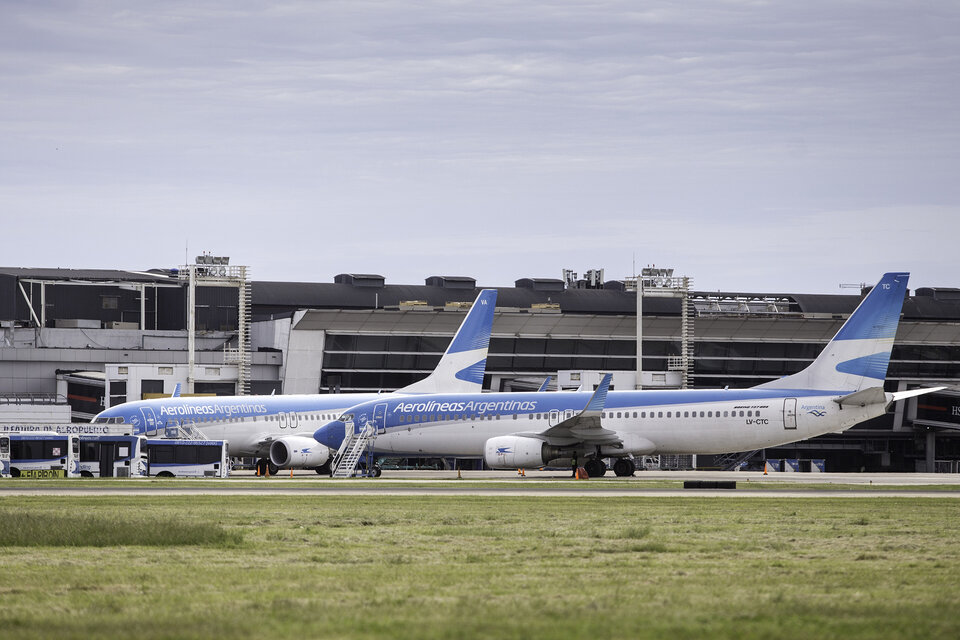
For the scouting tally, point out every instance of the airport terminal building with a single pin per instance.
(77, 341)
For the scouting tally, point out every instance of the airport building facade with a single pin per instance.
(75, 342)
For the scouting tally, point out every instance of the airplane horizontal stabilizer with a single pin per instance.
(903, 395)
(876, 395)
(873, 395)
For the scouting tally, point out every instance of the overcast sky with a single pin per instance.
(754, 146)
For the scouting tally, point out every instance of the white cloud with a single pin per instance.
(426, 137)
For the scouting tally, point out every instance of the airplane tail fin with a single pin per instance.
(462, 366)
(857, 357)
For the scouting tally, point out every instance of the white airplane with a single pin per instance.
(278, 429)
(842, 387)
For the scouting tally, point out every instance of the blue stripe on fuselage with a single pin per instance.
(172, 410)
(439, 407)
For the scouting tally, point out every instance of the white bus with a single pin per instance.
(4, 456)
(188, 458)
(44, 455)
(113, 456)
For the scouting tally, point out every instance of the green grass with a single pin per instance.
(638, 483)
(480, 567)
(36, 528)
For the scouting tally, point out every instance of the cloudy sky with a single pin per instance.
(755, 146)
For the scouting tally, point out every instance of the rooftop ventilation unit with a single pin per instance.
(540, 284)
(452, 282)
(359, 279)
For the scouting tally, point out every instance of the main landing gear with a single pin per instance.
(264, 465)
(595, 467)
(624, 467)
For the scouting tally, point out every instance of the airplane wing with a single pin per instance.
(585, 427)
(262, 444)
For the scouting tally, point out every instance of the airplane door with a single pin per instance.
(150, 422)
(380, 417)
(554, 418)
(108, 458)
(282, 419)
(790, 413)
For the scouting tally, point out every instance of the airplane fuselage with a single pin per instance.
(685, 421)
(244, 421)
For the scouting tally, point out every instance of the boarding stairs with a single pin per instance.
(732, 461)
(352, 448)
(183, 430)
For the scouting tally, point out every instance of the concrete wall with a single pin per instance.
(303, 361)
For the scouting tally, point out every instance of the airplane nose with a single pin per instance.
(331, 434)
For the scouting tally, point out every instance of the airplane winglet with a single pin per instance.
(599, 397)
(176, 391)
(546, 383)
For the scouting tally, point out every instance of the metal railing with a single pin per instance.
(32, 398)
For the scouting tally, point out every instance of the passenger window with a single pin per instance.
(660, 414)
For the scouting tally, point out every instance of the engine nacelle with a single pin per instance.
(297, 452)
(516, 452)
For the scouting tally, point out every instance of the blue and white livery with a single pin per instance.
(113, 456)
(41, 455)
(843, 387)
(278, 429)
(177, 458)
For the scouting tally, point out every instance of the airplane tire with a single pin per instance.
(595, 468)
(262, 465)
(376, 471)
(323, 470)
(273, 469)
(624, 467)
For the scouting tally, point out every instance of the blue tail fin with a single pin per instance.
(858, 355)
(462, 366)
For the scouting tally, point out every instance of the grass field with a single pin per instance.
(478, 567)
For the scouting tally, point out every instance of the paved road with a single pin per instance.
(535, 483)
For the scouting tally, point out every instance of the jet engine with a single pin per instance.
(512, 452)
(297, 452)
